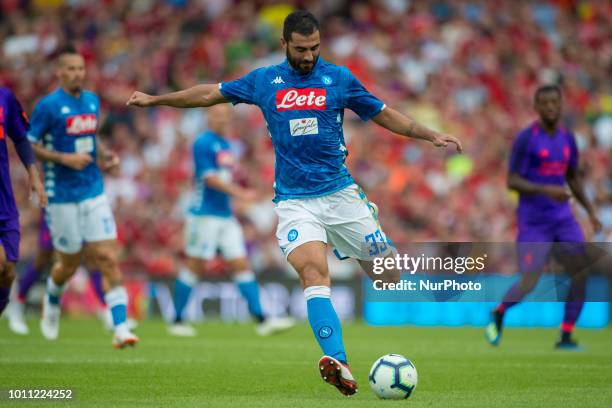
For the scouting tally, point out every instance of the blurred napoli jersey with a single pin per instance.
(68, 124)
(543, 159)
(211, 155)
(304, 115)
(13, 124)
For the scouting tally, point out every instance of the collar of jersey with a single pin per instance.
(296, 74)
(61, 90)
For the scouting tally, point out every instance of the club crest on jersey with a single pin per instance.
(225, 159)
(81, 124)
(301, 99)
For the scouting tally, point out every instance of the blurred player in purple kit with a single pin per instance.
(543, 162)
(42, 261)
(14, 124)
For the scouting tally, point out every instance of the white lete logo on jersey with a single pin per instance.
(81, 124)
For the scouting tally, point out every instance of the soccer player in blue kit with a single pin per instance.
(14, 124)
(210, 226)
(317, 201)
(63, 133)
(544, 160)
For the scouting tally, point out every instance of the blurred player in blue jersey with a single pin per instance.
(31, 274)
(317, 201)
(14, 124)
(63, 128)
(211, 227)
(543, 161)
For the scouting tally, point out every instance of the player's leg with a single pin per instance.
(102, 250)
(200, 244)
(25, 281)
(9, 253)
(533, 250)
(303, 239)
(16, 312)
(233, 248)
(66, 236)
(310, 261)
(186, 279)
(571, 252)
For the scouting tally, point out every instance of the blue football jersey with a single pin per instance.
(211, 155)
(304, 115)
(67, 124)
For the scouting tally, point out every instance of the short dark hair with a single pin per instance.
(301, 22)
(545, 89)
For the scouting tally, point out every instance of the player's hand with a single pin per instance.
(110, 161)
(595, 222)
(76, 161)
(248, 194)
(36, 187)
(442, 140)
(558, 193)
(140, 99)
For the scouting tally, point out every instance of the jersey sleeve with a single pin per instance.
(241, 90)
(40, 123)
(519, 157)
(359, 100)
(204, 159)
(574, 155)
(18, 124)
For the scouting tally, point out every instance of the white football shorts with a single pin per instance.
(72, 224)
(205, 234)
(345, 220)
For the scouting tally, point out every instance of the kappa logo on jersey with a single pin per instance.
(81, 124)
(278, 80)
(301, 99)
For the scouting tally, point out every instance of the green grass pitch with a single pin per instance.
(227, 365)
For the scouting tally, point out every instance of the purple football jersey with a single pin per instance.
(13, 124)
(543, 159)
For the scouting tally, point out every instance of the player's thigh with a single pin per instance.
(310, 261)
(97, 220)
(570, 248)
(533, 247)
(353, 227)
(202, 235)
(233, 246)
(298, 224)
(65, 227)
(10, 238)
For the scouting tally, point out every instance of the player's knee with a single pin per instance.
(313, 274)
(7, 275)
(106, 258)
(528, 284)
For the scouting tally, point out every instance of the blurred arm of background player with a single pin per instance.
(401, 124)
(76, 161)
(107, 159)
(574, 180)
(215, 182)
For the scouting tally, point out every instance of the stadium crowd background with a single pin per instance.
(467, 67)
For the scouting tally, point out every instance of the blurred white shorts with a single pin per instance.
(205, 234)
(72, 224)
(345, 220)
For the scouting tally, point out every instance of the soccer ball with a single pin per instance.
(393, 377)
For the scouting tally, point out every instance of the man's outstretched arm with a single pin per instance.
(197, 96)
(401, 124)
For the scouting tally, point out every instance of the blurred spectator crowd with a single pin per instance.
(468, 68)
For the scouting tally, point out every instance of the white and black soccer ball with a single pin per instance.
(393, 377)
